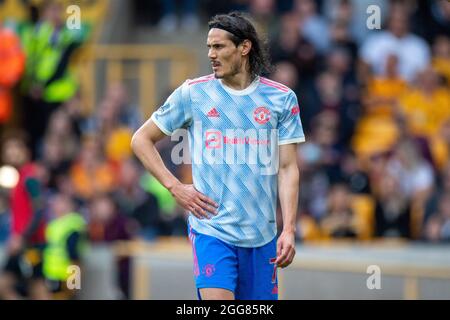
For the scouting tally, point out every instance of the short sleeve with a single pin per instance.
(290, 129)
(175, 113)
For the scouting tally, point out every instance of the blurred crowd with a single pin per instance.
(75, 181)
(375, 106)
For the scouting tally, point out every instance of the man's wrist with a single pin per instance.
(169, 186)
(289, 229)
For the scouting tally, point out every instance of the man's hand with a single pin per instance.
(285, 249)
(15, 244)
(190, 199)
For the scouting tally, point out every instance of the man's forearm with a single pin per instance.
(147, 153)
(288, 188)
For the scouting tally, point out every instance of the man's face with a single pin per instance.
(61, 205)
(225, 57)
(398, 22)
(15, 153)
(53, 14)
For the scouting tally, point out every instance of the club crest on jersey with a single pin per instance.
(209, 270)
(261, 115)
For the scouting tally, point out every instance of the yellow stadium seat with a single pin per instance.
(364, 210)
(309, 229)
(374, 135)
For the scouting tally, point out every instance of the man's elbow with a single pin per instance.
(136, 141)
(290, 170)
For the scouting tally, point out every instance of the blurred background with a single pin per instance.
(375, 170)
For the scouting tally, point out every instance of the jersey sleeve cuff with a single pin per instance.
(161, 126)
(289, 141)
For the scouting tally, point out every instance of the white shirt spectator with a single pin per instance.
(413, 53)
(315, 30)
(412, 180)
(358, 23)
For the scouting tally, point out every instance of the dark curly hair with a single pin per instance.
(240, 29)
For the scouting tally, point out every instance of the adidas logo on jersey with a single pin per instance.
(213, 113)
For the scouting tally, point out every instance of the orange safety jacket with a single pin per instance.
(12, 63)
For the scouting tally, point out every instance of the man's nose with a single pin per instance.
(212, 54)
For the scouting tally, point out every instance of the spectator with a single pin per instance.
(115, 136)
(12, 64)
(54, 160)
(439, 191)
(415, 175)
(330, 91)
(341, 38)
(138, 204)
(283, 45)
(47, 82)
(286, 74)
(5, 223)
(128, 115)
(440, 146)
(437, 228)
(357, 22)
(377, 129)
(61, 126)
(107, 225)
(316, 157)
(189, 18)
(339, 220)
(350, 169)
(312, 26)
(319, 150)
(412, 52)
(262, 12)
(392, 210)
(27, 239)
(426, 107)
(65, 237)
(441, 57)
(433, 19)
(339, 64)
(416, 179)
(171, 221)
(91, 173)
(76, 113)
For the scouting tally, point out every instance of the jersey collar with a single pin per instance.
(242, 92)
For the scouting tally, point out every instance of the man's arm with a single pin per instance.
(143, 145)
(288, 186)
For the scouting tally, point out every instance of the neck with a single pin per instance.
(240, 80)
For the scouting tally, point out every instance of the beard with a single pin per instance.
(234, 70)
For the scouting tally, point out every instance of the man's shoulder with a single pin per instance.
(415, 41)
(202, 79)
(275, 87)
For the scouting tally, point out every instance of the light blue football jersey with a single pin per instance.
(234, 137)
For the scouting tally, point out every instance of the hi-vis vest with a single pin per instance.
(56, 258)
(44, 48)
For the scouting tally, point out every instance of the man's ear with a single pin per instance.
(246, 47)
